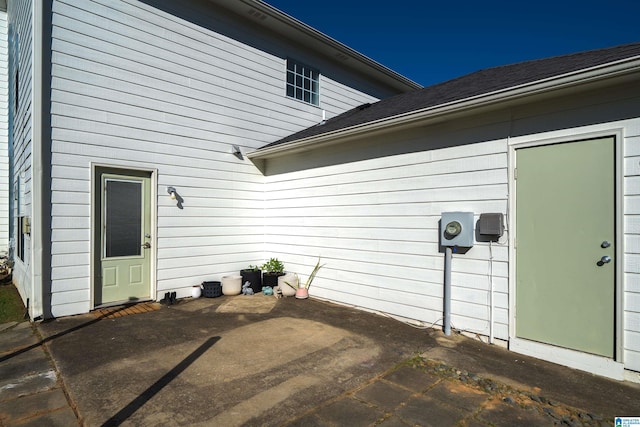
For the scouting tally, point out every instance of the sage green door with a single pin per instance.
(565, 245)
(125, 238)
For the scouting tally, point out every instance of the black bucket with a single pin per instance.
(211, 289)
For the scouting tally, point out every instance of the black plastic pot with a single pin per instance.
(254, 277)
(271, 279)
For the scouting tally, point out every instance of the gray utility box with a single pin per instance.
(456, 229)
(491, 224)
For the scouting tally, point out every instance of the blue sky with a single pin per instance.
(430, 42)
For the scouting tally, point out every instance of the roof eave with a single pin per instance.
(337, 49)
(573, 79)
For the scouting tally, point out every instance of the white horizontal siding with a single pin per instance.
(134, 86)
(70, 302)
(631, 264)
(375, 224)
(20, 65)
(335, 96)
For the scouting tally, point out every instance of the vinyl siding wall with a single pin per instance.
(4, 133)
(20, 120)
(374, 220)
(375, 223)
(631, 267)
(135, 86)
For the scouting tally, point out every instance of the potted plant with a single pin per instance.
(271, 270)
(302, 290)
(253, 275)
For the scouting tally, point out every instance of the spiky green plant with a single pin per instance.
(312, 276)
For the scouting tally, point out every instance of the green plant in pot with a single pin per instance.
(253, 275)
(302, 291)
(271, 270)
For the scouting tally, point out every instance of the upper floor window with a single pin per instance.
(302, 82)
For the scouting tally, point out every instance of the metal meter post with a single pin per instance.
(456, 230)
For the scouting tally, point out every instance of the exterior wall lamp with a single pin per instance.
(172, 193)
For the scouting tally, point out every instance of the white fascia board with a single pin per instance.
(590, 75)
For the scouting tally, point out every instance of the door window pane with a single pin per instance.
(123, 218)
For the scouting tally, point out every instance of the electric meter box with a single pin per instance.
(456, 229)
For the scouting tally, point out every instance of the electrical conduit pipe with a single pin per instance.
(447, 290)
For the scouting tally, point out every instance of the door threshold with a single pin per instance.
(115, 311)
(121, 303)
(591, 363)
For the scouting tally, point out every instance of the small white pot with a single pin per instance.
(231, 285)
(292, 279)
(196, 291)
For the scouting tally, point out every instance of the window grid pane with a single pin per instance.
(302, 83)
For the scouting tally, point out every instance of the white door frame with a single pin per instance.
(572, 358)
(95, 222)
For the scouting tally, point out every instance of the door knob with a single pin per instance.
(604, 260)
(146, 245)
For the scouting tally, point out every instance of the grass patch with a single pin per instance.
(11, 307)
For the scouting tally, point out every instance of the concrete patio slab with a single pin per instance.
(308, 363)
(19, 336)
(30, 393)
(257, 304)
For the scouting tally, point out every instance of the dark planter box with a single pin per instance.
(271, 279)
(211, 289)
(254, 277)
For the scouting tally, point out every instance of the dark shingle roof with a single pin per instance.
(474, 84)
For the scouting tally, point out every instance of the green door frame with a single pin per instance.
(97, 171)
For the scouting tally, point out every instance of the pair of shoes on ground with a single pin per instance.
(169, 298)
